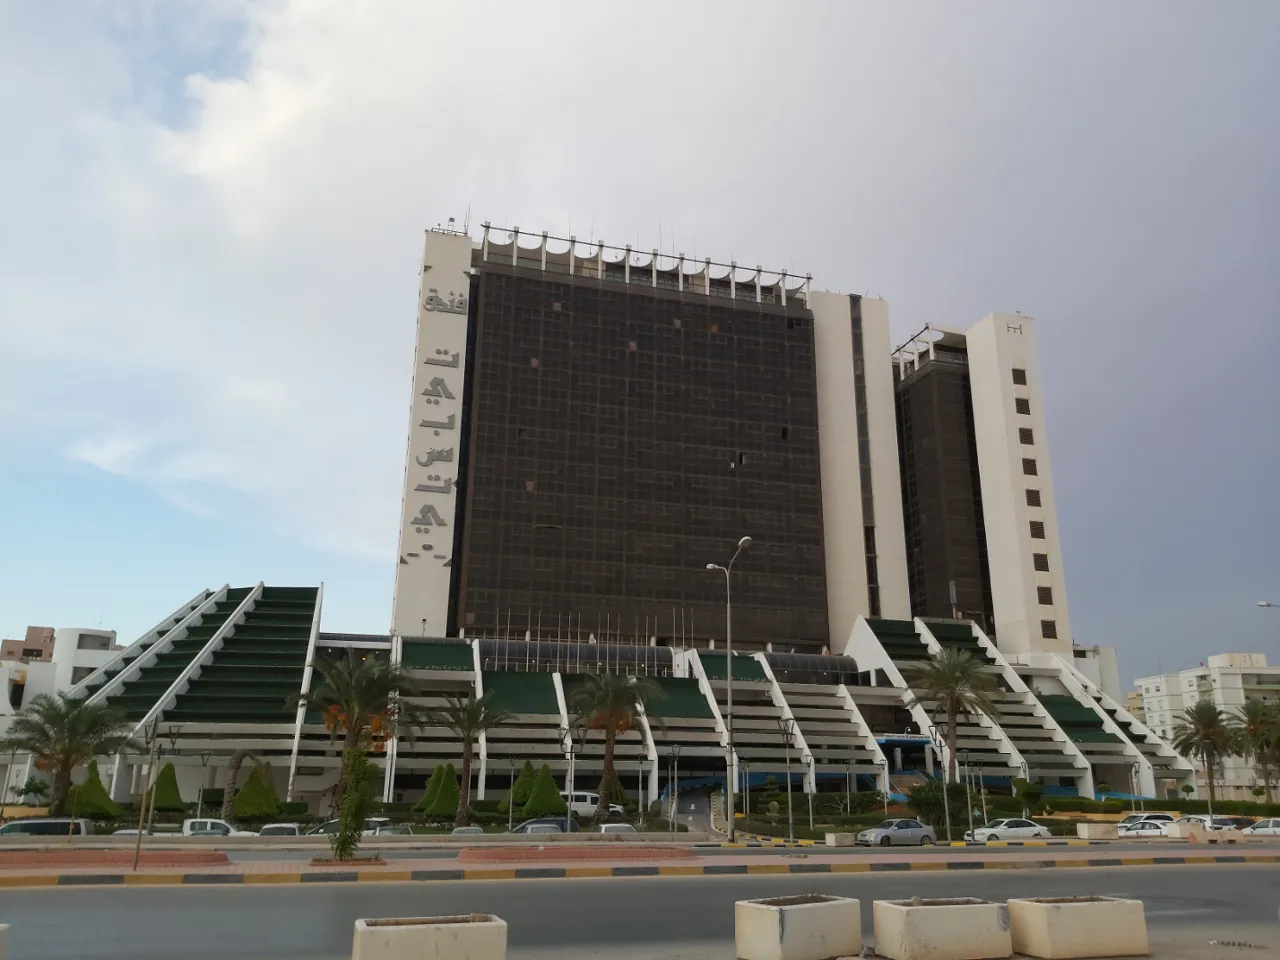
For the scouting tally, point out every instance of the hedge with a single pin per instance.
(91, 799)
(545, 800)
(433, 787)
(445, 801)
(254, 801)
(168, 799)
(521, 789)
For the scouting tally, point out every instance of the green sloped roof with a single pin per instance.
(522, 692)
(437, 656)
(744, 667)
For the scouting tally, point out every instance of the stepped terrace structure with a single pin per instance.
(215, 677)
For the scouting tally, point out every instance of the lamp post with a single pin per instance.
(784, 728)
(567, 744)
(813, 788)
(730, 779)
(205, 757)
(936, 737)
(511, 789)
(674, 785)
(884, 784)
(968, 797)
(982, 792)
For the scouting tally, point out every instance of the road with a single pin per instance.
(655, 918)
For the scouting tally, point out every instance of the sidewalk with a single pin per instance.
(808, 862)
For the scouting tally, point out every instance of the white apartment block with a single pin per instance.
(1227, 680)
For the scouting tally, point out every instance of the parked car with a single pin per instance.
(1010, 828)
(1240, 823)
(1141, 828)
(131, 832)
(393, 830)
(1264, 828)
(898, 833)
(1203, 821)
(371, 824)
(467, 832)
(559, 825)
(47, 827)
(617, 828)
(280, 830)
(207, 827)
(1161, 818)
(585, 804)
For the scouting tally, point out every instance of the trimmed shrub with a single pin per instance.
(521, 789)
(168, 799)
(445, 802)
(91, 799)
(254, 802)
(486, 806)
(925, 801)
(433, 787)
(545, 800)
(297, 808)
(269, 782)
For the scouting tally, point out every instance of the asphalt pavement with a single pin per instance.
(665, 917)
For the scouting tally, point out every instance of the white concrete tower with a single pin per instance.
(428, 515)
(1028, 591)
(858, 449)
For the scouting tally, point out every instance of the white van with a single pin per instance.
(584, 804)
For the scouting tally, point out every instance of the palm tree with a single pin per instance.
(952, 683)
(1207, 734)
(1259, 729)
(358, 698)
(609, 702)
(62, 734)
(233, 775)
(467, 719)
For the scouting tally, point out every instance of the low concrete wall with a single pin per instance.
(1097, 831)
(955, 929)
(805, 927)
(841, 839)
(476, 936)
(1071, 928)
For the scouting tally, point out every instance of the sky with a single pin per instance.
(212, 211)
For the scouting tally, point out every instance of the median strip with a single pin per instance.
(583, 873)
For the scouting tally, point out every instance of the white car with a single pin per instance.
(1202, 821)
(617, 828)
(1161, 818)
(371, 825)
(1141, 828)
(1011, 828)
(205, 827)
(584, 804)
(1264, 828)
(280, 830)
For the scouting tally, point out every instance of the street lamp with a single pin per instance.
(567, 743)
(205, 757)
(728, 673)
(1267, 603)
(673, 786)
(784, 729)
(936, 737)
(884, 784)
(968, 797)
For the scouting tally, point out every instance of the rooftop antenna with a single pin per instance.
(466, 221)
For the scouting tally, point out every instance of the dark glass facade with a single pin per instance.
(941, 492)
(617, 438)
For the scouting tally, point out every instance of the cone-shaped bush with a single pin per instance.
(545, 800)
(168, 798)
(520, 790)
(445, 803)
(433, 788)
(269, 782)
(92, 800)
(253, 802)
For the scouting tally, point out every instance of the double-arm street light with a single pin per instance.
(728, 646)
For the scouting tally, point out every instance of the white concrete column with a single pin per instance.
(626, 266)
(484, 243)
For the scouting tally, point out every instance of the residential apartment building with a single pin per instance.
(1227, 680)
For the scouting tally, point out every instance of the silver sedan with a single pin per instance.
(898, 833)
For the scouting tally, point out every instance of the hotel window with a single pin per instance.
(1049, 629)
(1040, 561)
(1026, 436)
(1037, 529)
(1019, 377)
(1022, 405)
(1033, 498)
(1045, 595)
(1029, 467)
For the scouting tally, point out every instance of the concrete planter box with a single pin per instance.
(955, 929)
(1060, 928)
(807, 927)
(841, 839)
(474, 936)
(1179, 831)
(1097, 831)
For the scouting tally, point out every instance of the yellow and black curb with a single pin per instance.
(750, 840)
(579, 873)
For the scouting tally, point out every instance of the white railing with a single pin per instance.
(306, 686)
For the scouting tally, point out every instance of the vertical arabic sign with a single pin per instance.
(429, 508)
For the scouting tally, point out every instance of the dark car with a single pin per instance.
(561, 823)
(1238, 822)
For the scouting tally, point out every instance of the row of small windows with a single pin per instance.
(1040, 561)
